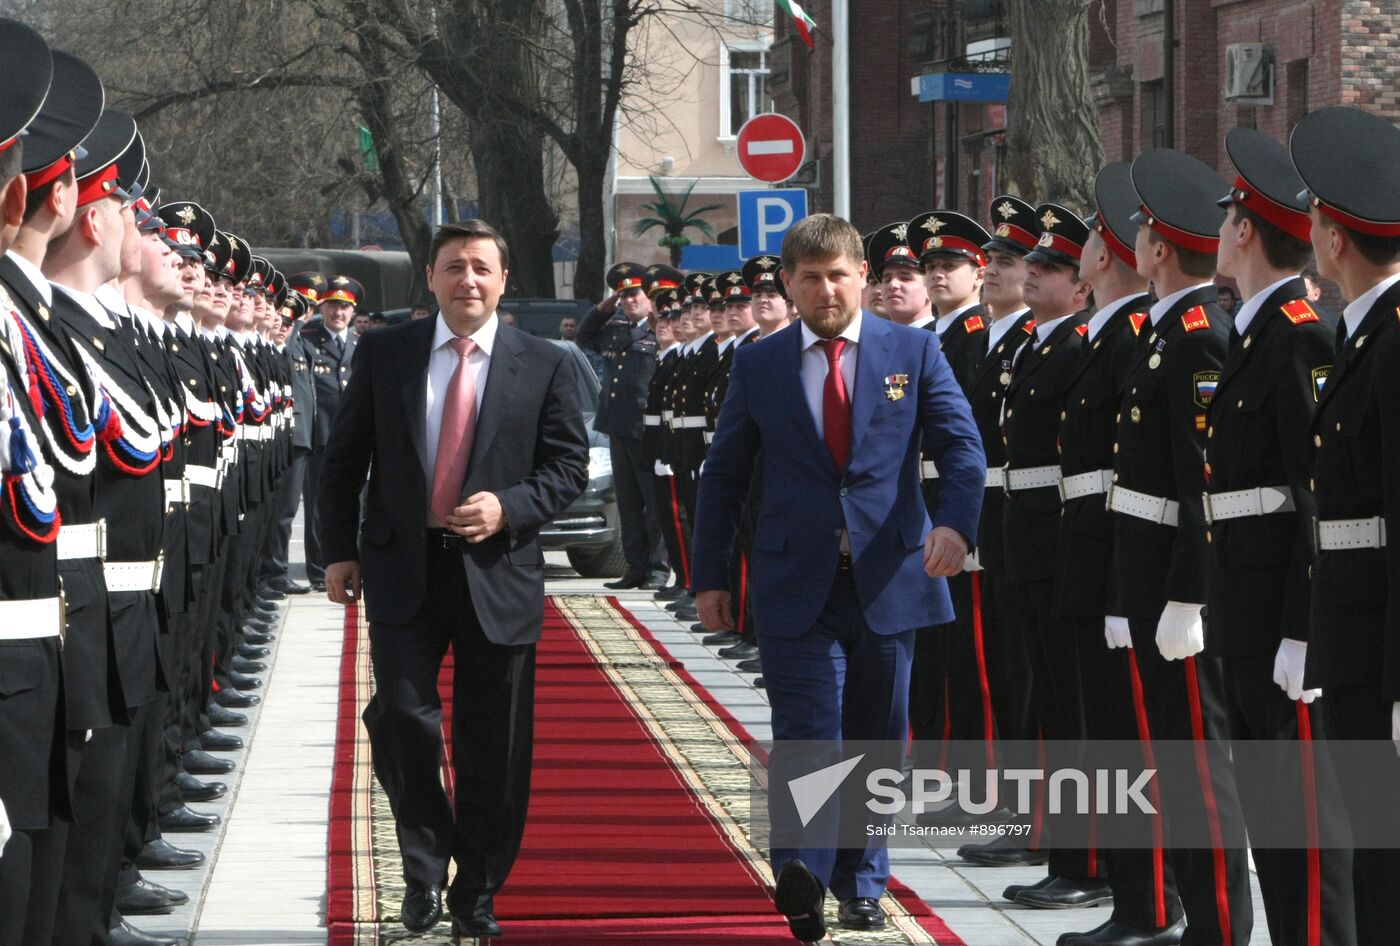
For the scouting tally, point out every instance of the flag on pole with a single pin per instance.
(800, 20)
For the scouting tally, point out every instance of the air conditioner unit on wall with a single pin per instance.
(1249, 74)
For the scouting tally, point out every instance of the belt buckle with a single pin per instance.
(156, 571)
(1108, 497)
(1060, 487)
(62, 614)
(1205, 508)
(1006, 480)
(101, 530)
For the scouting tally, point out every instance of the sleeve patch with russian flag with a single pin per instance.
(1299, 311)
(1205, 383)
(1195, 319)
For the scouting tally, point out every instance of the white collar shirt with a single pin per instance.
(1255, 302)
(1356, 311)
(442, 363)
(34, 275)
(814, 367)
(1161, 306)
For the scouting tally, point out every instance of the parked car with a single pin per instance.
(588, 531)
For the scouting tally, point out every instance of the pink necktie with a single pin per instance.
(458, 427)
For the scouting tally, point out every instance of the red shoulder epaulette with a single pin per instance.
(974, 323)
(1028, 327)
(1138, 319)
(1195, 319)
(1082, 329)
(1299, 311)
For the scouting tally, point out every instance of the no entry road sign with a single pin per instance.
(771, 147)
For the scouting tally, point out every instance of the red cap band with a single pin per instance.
(1017, 235)
(1120, 249)
(1187, 241)
(98, 185)
(1359, 224)
(6, 145)
(37, 179)
(1059, 244)
(954, 244)
(1295, 223)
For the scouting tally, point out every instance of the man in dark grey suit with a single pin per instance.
(476, 440)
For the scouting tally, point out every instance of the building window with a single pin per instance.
(743, 90)
(752, 12)
(1154, 115)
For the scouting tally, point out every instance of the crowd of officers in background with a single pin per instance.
(159, 401)
(1184, 528)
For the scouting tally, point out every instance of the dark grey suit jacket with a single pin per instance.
(530, 449)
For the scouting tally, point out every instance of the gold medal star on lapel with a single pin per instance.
(894, 386)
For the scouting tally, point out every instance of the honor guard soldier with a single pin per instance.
(1259, 509)
(620, 329)
(945, 242)
(1350, 162)
(768, 294)
(1145, 905)
(870, 296)
(33, 788)
(656, 444)
(329, 348)
(1160, 535)
(903, 294)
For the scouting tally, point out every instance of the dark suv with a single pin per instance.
(588, 530)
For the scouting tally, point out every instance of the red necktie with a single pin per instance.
(836, 405)
(458, 428)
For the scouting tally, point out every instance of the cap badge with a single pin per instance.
(186, 214)
(934, 224)
(1046, 239)
(1007, 209)
(900, 231)
(340, 281)
(735, 278)
(767, 262)
(1048, 219)
(624, 269)
(1004, 229)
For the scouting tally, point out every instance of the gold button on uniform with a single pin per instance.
(1210, 431)
(1317, 440)
(1239, 403)
(1247, 340)
(1136, 414)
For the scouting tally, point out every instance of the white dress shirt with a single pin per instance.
(1160, 307)
(946, 321)
(1251, 307)
(1001, 326)
(1043, 329)
(90, 305)
(442, 362)
(1356, 311)
(32, 273)
(1107, 311)
(814, 367)
(923, 321)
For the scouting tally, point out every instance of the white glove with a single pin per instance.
(1288, 670)
(88, 737)
(1394, 731)
(1115, 632)
(5, 825)
(1180, 631)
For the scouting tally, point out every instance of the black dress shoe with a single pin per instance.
(187, 819)
(1061, 894)
(193, 789)
(984, 856)
(145, 898)
(258, 639)
(243, 681)
(686, 615)
(721, 639)
(1113, 933)
(751, 665)
(268, 593)
(798, 895)
(128, 935)
(266, 606)
(199, 762)
(686, 600)
(862, 913)
(289, 587)
(740, 651)
(422, 908)
(758, 684)
(1012, 891)
(224, 717)
(319, 587)
(481, 926)
(625, 583)
(245, 666)
(211, 740)
(162, 855)
(653, 583)
(955, 816)
(234, 699)
(670, 593)
(252, 651)
(255, 625)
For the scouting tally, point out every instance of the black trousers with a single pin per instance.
(493, 695)
(675, 527)
(315, 566)
(636, 508)
(1307, 893)
(1184, 701)
(1363, 713)
(1144, 887)
(275, 562)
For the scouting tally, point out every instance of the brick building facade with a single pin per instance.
(908, 156)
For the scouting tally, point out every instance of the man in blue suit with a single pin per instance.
(845, 563)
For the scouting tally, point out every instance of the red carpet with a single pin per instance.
(623, 840)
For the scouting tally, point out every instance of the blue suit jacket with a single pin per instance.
(806, 500)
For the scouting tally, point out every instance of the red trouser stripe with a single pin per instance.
(680, 533)
(1217, 840)
(1305, 748)
(1159, 889)
(988, 725)
(740, 624)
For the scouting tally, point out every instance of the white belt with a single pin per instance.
(267, 433)
(1031, 477)
(1142, 506)
(929, 471)
(133, 576)
(205, 476)
(1239, 503)
(84, 541)
(1085, 484)
(651, 420)
(689, 423)
(667, 416)
(709, 436)
(31, 619)
(1339, 534)
(176, 491)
